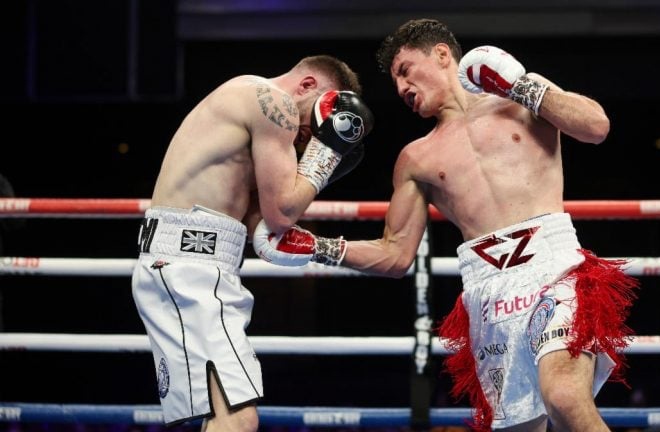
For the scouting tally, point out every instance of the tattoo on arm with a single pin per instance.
(273, 112)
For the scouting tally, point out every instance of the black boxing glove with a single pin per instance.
(340, 120)
(348, 163)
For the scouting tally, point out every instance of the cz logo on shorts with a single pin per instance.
(198, 242)
(503, 261)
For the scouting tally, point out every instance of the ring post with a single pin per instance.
(422, 371)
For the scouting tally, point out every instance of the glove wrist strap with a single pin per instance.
(329, 251)
(317, 163)
(528, 93)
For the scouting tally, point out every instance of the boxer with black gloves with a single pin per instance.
(231, 163)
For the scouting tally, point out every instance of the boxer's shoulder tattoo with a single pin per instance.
(264, 97)
(285, 117)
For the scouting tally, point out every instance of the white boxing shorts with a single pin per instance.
(517, 305)
(188, 292)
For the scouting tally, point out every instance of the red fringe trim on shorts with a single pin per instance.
(604, 296)
(461, 366)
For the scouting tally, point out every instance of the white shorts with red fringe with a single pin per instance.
(529, 289)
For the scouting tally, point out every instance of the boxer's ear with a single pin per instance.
(443, 53)
(307, 84)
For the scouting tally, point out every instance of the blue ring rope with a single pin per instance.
(283, 415)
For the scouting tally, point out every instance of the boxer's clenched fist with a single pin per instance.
(492, 70)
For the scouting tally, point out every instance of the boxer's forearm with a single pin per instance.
(575, 115)
(374, 257)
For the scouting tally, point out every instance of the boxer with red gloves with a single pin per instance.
(492, 164)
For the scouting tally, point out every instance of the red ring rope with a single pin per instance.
(61, 206)
(336, 210)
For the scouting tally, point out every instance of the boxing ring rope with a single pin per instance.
(298, 345)
(273, 416)
(286, 415)
(318, 210)
(440, 266)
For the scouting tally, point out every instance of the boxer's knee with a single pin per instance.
(566, 387)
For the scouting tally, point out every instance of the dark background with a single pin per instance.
(92, 93)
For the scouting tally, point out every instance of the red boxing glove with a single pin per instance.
(489, 69)
(296, 247)
(492, 70)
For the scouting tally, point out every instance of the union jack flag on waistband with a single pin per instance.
(198, 241)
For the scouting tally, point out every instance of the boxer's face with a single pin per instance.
(416, 77)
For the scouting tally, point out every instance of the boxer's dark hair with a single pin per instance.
(422, 34)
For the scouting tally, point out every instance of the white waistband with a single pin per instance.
(538, 240)
(195, 234)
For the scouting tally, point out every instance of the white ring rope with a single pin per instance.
(443, 266)
(329, 345)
